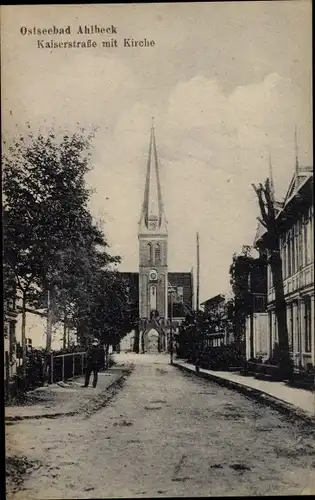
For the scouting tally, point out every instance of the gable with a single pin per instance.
(297, 181)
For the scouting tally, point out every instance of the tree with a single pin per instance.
(48, 232)
(239, 274)
(271, 243)
(105, 309)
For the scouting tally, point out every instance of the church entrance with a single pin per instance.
(152, 342)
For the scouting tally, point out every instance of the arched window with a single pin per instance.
(149, 250)
(158, 253)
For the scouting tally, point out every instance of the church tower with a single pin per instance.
(152, 237)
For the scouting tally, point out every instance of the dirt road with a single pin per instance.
(166, 433)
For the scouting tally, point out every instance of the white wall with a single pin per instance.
(260, 335)
(36, 330)
(126, 344)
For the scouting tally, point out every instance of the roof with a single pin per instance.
(217, 298)
(152, 212)
(298, 181)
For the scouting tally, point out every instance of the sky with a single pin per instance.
(227, 83)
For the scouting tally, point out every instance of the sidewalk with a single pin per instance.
(67, 398)
(277, 394)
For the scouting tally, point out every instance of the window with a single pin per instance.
(153, 298)
(158, 253)
(305, 242)
(311, 232)
(270, 284)
(293, 253)
(180, 293)
(289, 254)
(293, 256)
(12, 339)
(270, 331)
(149, 252)
(259, 303)
(309, 237)
(275, 326)
(296, 248)
(285, 262)
(291, 326)
(307, 324)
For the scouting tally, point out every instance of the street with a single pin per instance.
(166, 433)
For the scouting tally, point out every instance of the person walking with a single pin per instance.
(94, 362)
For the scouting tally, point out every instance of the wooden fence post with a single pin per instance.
(63, 368)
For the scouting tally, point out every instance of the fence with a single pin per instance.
(64, 366)
(41, 368)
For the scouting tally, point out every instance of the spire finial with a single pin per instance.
(152, 122)
(297, 164)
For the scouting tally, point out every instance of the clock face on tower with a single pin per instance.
(153, 275)
(152, 224)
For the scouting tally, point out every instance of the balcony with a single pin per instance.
(298, 281)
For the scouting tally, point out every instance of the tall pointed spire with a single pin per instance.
(152, 208)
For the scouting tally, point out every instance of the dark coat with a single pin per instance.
(95, 357)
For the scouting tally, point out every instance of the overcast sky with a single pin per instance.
(226, 82)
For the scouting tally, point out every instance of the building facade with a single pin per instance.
(296, 222)
(215, 308)
(257, 317)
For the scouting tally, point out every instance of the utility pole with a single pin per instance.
(171, 291)
(49, 321)
(171, 329)
(198, 271)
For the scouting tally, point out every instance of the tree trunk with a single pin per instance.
(285, 362)
(136, 341)
(142, 342)
(23, 335)
(49, 322)
(106, 356)
(64, 340)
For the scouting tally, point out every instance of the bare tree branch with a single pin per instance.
(263, 212)
(262, 222)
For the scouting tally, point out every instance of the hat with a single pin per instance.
(95, 342)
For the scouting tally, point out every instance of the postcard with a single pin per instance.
(158, 256)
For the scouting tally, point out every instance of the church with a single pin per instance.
(162, 297)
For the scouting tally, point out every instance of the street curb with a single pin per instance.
(260, 396)
(70, 413)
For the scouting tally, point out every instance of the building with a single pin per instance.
(156, 305)
(215, 305)
(219, 330)
(296, 222)
(257, 317)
